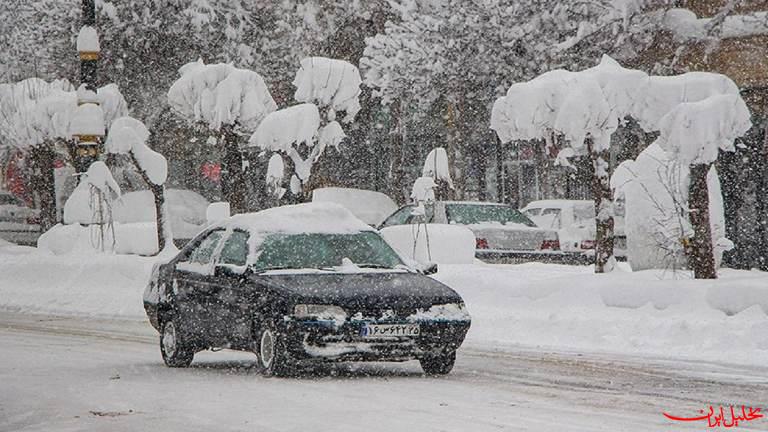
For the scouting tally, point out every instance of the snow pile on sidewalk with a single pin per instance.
(648, 313)
(92, 284)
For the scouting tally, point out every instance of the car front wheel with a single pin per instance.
(438, 364)
(173, 345)
(272, 355)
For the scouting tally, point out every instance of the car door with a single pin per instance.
(235, 297)
(194, 290)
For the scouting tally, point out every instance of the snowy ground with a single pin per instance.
(62, 374)
(551, 348)
(531, 305)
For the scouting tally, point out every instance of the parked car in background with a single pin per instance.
(574, 221)
(299, 285)
(18, 222)
(501, 232)
(185, 207)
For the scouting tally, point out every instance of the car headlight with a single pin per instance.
(320, 312)
(444, 312)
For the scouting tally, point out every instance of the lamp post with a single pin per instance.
(87, 126)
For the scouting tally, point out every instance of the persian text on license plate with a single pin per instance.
(389, 330)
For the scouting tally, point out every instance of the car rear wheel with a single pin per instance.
(272, 356)
(173, 345)
(438, 364)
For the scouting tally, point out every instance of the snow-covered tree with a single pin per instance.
(230, 101)
(693, 133)
(436, 167)
(129, 136)
(299, 131)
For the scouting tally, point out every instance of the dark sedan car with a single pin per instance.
(299, 285)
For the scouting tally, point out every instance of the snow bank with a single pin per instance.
(329, 82)
(219, 94)
(78, 240)
(685, 25)
(369, 206)
(448, 244)
(91, 285)
(643, 313)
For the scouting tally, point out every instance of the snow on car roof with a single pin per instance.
(319, 217)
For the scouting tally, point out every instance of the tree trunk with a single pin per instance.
(164, 234)
(232, 178)
(455, 152)
(761, 194)
(44, 183)
(701, 256)
(601, 191)
(397, 178)
(501, 187)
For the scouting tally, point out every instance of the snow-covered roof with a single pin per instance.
(369, 206)
(326, 218)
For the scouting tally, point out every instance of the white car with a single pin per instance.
(574, 221)
(501, 232)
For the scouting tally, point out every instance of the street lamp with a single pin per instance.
(87, 128)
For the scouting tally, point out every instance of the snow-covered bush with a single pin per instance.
(329, 83)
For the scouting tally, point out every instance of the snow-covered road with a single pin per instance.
(67, 374)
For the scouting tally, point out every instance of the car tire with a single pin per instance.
(273, 358)
(440, 364)
(174, 347)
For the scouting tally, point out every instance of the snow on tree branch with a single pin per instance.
(129, 136)
(220, 94)
(694, 132)
(329, 82)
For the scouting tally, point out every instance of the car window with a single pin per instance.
(584, 212)
(203, 252)
(235, 249)
(532, 212)
(6, 199)
(300, 251)
(470, 214)
(400, 217)
(550, 218)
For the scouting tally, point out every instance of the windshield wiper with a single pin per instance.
(373, 266)
(266, 269)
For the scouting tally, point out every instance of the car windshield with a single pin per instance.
(299, 251)
(469, 214)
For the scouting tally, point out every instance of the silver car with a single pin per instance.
(502, 233)
(18, 222)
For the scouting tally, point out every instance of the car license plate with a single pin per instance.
(389, 330)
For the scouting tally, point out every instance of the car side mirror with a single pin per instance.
(221, 270)
(429, 268)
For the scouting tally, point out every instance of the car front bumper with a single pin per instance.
(324, 341)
